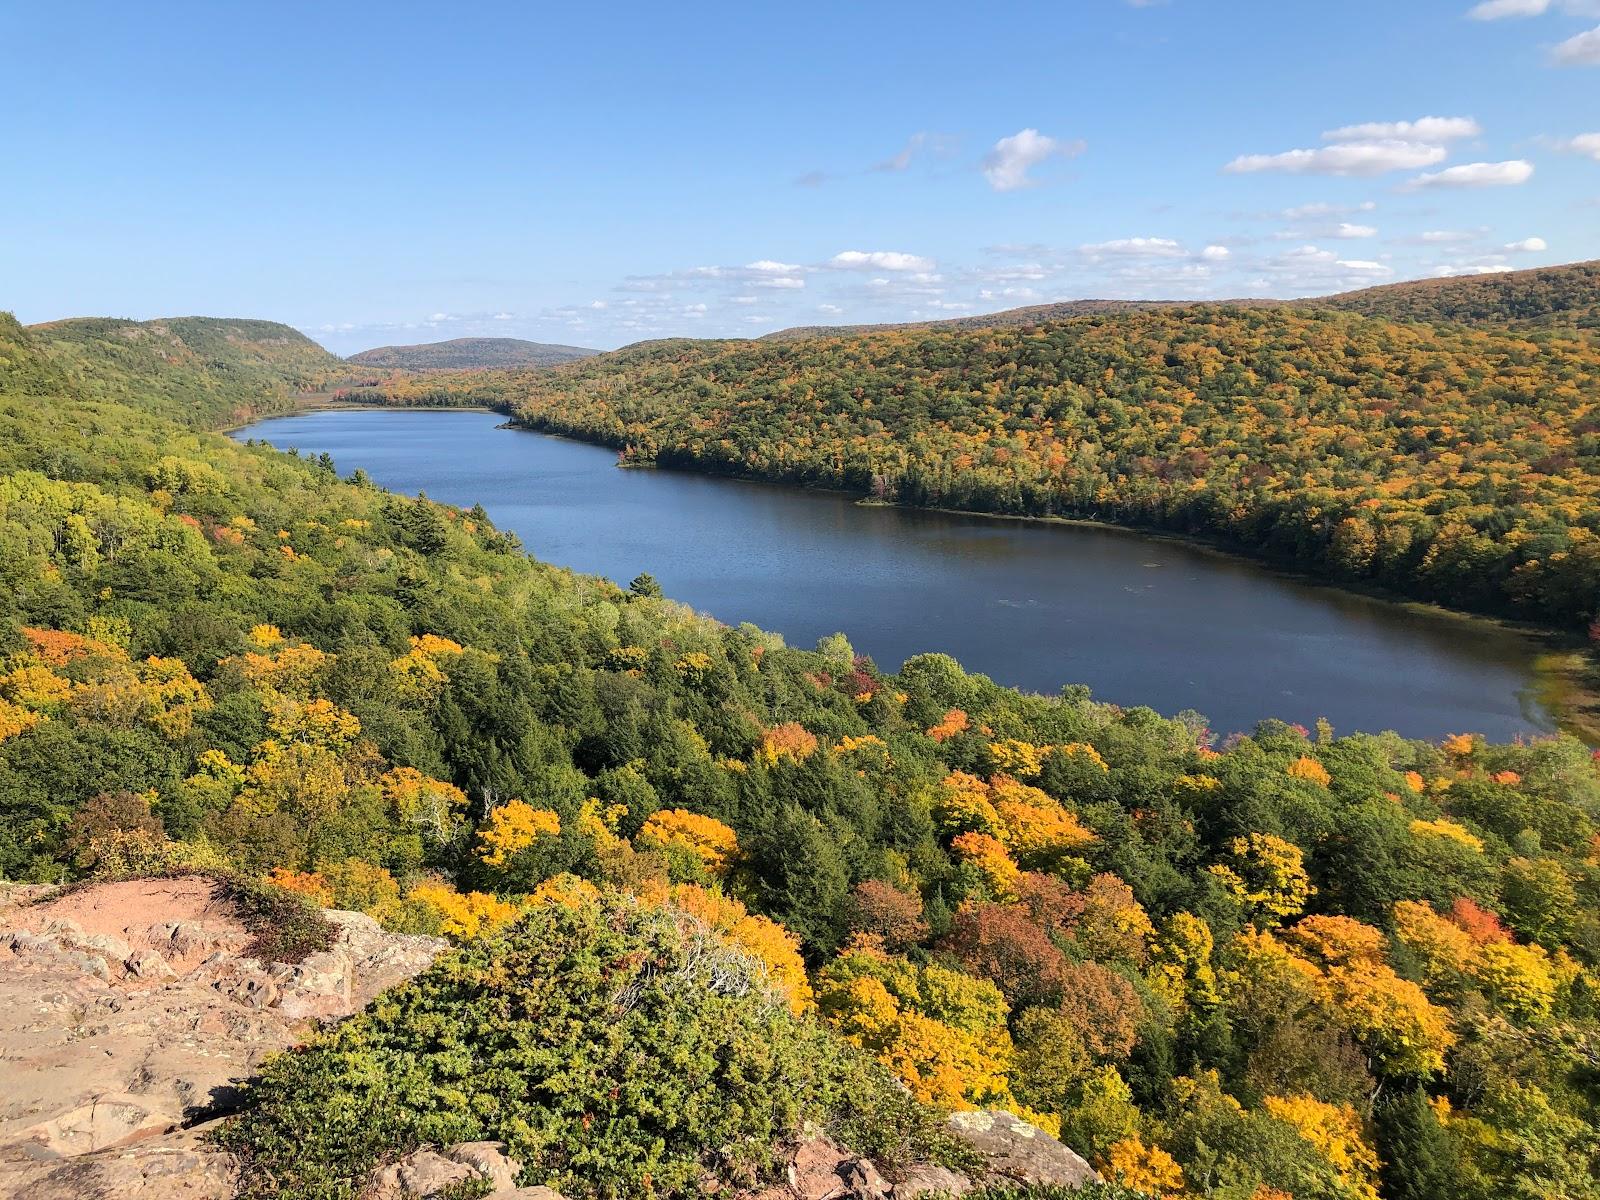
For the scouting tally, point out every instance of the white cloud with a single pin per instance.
(1134, 247)
(1476, 175)
(1581, 50)
(504, 316)
(1587, 144)
(1006, 167)
(1446, 235)
(1531, 245)
(1343, 158)
(1311, 270)
(1424, 129)
(1345, 230)
(832, 310)
(880, 260)
(1497, 10)
(1008, 293)
(1451, 270)
(766, 266)
(781, 282)
(1320, 209)
(1215, 253)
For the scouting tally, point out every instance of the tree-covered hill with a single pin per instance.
(202, 371)
(1564, 297)
(1033, 314)
(726, 884)
(470, 353)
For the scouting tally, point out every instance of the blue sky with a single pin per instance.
(401, 172)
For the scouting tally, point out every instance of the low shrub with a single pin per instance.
(618, 1049)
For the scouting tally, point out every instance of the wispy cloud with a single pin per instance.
(1424, 129)
(1006, 166)
(922, 144)
(1475, 175)
(1305, 212)
(917, 145)
(1581, 50)
(1587, 144)
(880, 260)
(1499, 10)
(1134, 247)
(1343, 158)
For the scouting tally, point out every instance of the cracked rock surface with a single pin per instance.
(129, 1011)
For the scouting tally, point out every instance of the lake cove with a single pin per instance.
(1033, 605)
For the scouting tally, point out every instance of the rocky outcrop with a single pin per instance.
(130, 1014)
(179, 1165)
(1008, 1149)
(427, 1173)
(130, 1010)
(1012, 1149)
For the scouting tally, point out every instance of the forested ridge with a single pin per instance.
(1558, 297)
(711, 886)
(1440, 461)
(1541, 297)
(200, 371)
(459, 353)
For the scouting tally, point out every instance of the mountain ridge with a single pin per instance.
(470, 353)
(1572, 289)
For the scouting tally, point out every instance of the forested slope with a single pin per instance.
(1542, 297)
(200, 371)
(1290, 964)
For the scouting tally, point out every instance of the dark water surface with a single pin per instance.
(1035, 606)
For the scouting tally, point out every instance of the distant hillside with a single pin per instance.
(469, 353)
(1033, 314)
(198, 370)
(1543, 297)
(1566, 296)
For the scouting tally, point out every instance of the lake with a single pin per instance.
(1033, 605)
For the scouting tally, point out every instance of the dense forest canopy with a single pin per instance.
(1294, 964)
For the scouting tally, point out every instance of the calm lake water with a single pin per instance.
(1035, 606)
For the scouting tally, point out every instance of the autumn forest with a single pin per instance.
(1283, 964)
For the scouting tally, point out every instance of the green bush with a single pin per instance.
(287, 928)
(619, 1050)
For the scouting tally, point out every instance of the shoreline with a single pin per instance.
(1565, 679)
(350, 406)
